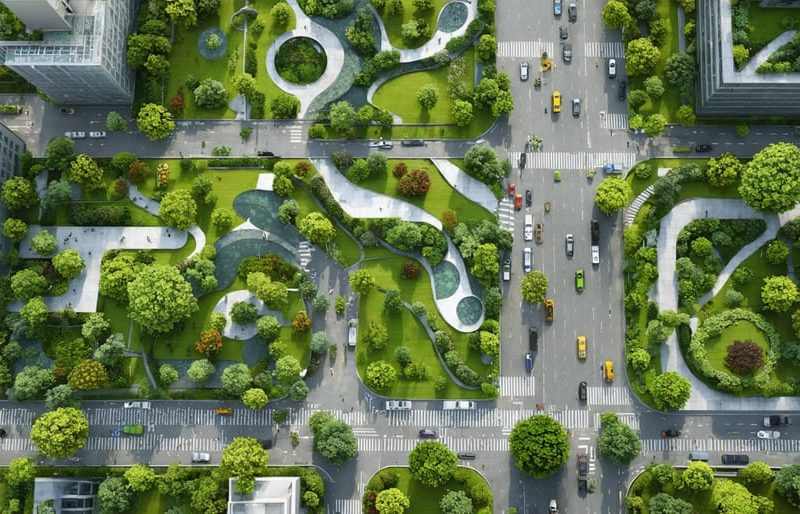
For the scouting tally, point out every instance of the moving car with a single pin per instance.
(570, 245)
(612, 68)
(583, 467)
(506, 270)
(223, 411)
(549, 309)
(133, 429)
(201, 458)
(518, 202)
(412, 142)
(576, 107)
(595, 255)
(774, 421)
(557, 7)
(528, 228)
(539, 233)
(553, 508)
(265, 153)
(563, 32)
(467, 456)
(527, 259)
(524, 66)
(512, 189)
(572, 12)
(67, 110)
(398, 405)
(528, 362)
(623, 88)
(736, 460)
(136, 405)
(768, 434)
(702, 148)
(608, 371)
(582, 391)
(533, 340)
(566, 52)
(75, 135)
(579, 280)
(386, 145)
(352, 332)
(528, 198)
(670, 432)
(97, 134)
(556, 101)
(582, 347)
(427, 433)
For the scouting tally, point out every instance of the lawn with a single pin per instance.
(741, 331)
(186, 59)
(343, 244)
(439, 198)
(394, 23)
(638, 185)
(766, 24)
(426, 499)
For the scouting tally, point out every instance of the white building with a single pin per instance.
(82, 64)
(272, 495)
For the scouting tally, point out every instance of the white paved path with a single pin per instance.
(472, 188)
(235, 330)
(666, 295)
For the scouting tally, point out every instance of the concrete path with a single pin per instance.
(363, 203)
(472, 188)
(92, 243)
(749, 70)
(334, 52)
(666, 295)
(243, 332)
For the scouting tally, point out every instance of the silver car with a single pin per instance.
(524, 66)
(566, 52)
(201, 458)
(570, 244)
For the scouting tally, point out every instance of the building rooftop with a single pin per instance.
(272, 495)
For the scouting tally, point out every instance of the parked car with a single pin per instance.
(623, 89)
(539, 231)
(533, 340)
(527, 259)
(582, 391)
(528, 362)
(97, 134)
(612, 68)
(670, 432)
(566, 52)
(557, 7)
(736, 460)
(524, 67)
(579, 280)
(467, 456)
(576, 107)
(201, 458)
(582, 352)
(563, 32)
(386, 145)
(572, 12)
(427, 433)
(702, 148)
(506, 270)
(265, 153)
(75, 135)
(528, 198)
(768, 434)
(412, 142)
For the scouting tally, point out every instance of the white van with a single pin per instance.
(398, 405)
(527, 259)
(528, 227)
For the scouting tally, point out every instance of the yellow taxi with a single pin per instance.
(556, 101)
(608, 371)
(581, 347)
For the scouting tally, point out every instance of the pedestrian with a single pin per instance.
(331, 370)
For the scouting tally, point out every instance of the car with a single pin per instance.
(427, 433)
(768, 434)
(97, 134)
(524, 68)
(736, 460)
(533, 340)
(557, 175)
(549, 309)
(201, 458)
(576, 107)
(67, 110)
(556, 97)
(608, 371)
(528, 198)
(553, 508)
(412, 142)
(528, 362)
(266, 443)
(223, 411)
(595, 231)
(579, 280)
(623, 88)
(595, 255)
(398, 405)
(582, 347)
(523, 158)
(702, 148)
(570, 245)
(512, 189)
(265, 153)
(506, 270)
(539, 233)
(582, 391)
(566, 52)
(75, 135)
(612, 68)
(518, 202)
(775, 420)
(528, 233)
(136, 405)
(386, 145)
(133, 429)
(557, 7)
(583, 464)
(3, 433)
(572, 12)
(527, 259)
(670, 432)
(467, 456)
(563, 32)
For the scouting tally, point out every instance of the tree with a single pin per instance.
(320, 343)
(317, 131)
(301, 322)
(534, 287)
(540, 445)
(285, 106)
(298, 391)
(427, 96)
(686, 116)
(268, 327)
(670, 391)
(140, 477)
(616, 15)
(31, 382)
(245, 84)
(18, 193)
(21, 471)
(333, 439)
(168, 375)
(34, 313)
(112, 351)
(115, 122)
(771, 180)
(723, 170)
(273, 294)
(59, 153)
(86, 375)
(486, 48)
(698, 476)
(160, 298)
(778, 293)
(654, 87)
(28, 283)
(456, 502)
(15, 229)
(777, 252)
(222, 219)
(60, 396)
(236, 379)
(461, 110)
(61, 432)
(654, 125)
(757, 473)
(641, 57)
(639, 359)
(432, 463)
(244, 458)
(155, 122)
(380, 375)
(317, 228)
(731, 497)
(44, 243)
(744, 357)
(342, 117)
(617, 441)
(288, 211)
(114, 495)
(663, 503)
(787, 483)
(68, 263)
(392, 501)
(158, 67)
(613, 194)
(58, 192)
(485, 264)
(281, 13)
(287, 369)
(210, 341)
(255, 398)
(362, 281)
(377, 335)
(200, 371)
(481, 162)
(178, 209)
(182, 12)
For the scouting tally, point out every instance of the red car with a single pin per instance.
(518, 202)
(512, 189)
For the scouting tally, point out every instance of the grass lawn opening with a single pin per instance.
(426, 499)
(741, 331)
(301, 60)
(394, 22)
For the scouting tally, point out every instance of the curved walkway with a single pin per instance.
(334, 52)
(666, 295)
(248, 331)
(472, 188)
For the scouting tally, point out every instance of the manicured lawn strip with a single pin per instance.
(741, 331)
(439, 198)
(348, 249)
(639, 185)
(152, 501)
(767, 23)
(498, 191)
(271, 31)
(424, 498)
(703, 190)
(394, 24)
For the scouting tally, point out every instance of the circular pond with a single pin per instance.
(469, 310)
(445, 279)
(300, 60)
(452, 17)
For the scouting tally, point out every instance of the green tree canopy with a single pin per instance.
(486, 264)
(85, 171)
(432, 463)
(380, 375)
(114, 495)
(317, 228)
(244, 458)
(333, 439)
(534, 287)
(724, 170)
(670, 391)
(613, 195)
(540, 445)
(617, 441)
(141, 478)
(178, 209)
(255, 398)
(160, 298)
(641, 57)
(616, 15)
(155, 122)
(392, 501)
(18, 193)
(61, 432)
(44, 243)
(771, 180)
(779, 293)
(15, 229)
(362, 281)
(68, 263)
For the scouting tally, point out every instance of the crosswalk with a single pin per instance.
(505, 213)
(517, 386)
(304, 250)
(406, 445)
(609, 396)
(629, 418)
(608, 49)
(614, 120)
(525, 49)
(573, 160)
(16, 417)
(347, 506)
(16, 444)
(154, 442)
(721, 445)
(479, 418)
(296, 134)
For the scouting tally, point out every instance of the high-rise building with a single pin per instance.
(11, 145)
(44, 15)
(83, 64)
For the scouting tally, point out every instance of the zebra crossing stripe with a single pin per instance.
(573, 160)
(615, 120)
(606, 49)
(525, 49)
(609, 396)
(347, 506)
(517, 386)
(683, 444)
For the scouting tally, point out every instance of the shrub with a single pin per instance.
(415, 183)
(399, 169)
(410, 270)
(744, 357)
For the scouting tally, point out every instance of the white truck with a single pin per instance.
(458, 405)
(398, 405)
(352, 332)
(528, 234)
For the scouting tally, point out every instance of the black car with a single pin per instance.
(412, 142)
(533, 340)
(427, 433)
(572, 12)
(582, 391)
(466, 456)
(523, 158)
(264, 153)
(623, 88)
(528, 198)
(702, 148)
(670, 432)
(735, 460)
(595, 232)
(563, 32)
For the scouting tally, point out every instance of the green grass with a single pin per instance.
(766, 23)
(439, 198)
(153, 502)
(394, 24)
(638, 185)
(741, 331)
(347, 248)
(424, 498)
